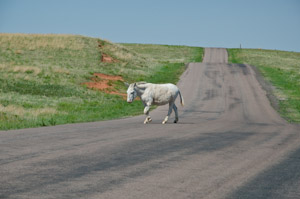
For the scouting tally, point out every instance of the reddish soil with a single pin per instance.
(107, 59)
(100, 45)
(105, 83)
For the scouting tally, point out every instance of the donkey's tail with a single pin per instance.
(181, 99)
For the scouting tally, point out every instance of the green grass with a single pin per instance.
(282, 69)
(41, 77)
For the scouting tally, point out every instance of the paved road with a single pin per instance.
(229, 143)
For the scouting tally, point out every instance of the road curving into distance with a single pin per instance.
(229, 143)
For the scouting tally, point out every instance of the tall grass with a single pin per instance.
(282, 69)
(41, 77)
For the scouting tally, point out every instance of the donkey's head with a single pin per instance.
(131, 92)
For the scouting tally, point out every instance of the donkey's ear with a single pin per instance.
(126, 84)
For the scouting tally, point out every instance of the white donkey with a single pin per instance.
(157, 94)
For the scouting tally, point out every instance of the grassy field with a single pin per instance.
(280, 68)
(42, 76)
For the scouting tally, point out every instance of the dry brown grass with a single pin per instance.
(41, 111)
(12, 109)
(27, 69)
(21, 111)
(61, 70)
(37, 41)
(3, 66)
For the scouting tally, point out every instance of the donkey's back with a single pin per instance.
(162, 93)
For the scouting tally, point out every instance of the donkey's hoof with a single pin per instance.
(147, 120)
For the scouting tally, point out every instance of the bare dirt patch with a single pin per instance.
(107, 59)
(105, 83)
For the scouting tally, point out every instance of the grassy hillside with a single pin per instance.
(42, 76)
(167, 53)
(282, 69)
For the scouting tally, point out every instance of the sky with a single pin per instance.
(266, 24)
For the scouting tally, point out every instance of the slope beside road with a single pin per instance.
(229, 143)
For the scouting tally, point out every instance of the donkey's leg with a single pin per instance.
(146, 112)
(169, 112)
(176, 113)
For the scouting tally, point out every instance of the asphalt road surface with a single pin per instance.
(229, 143)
